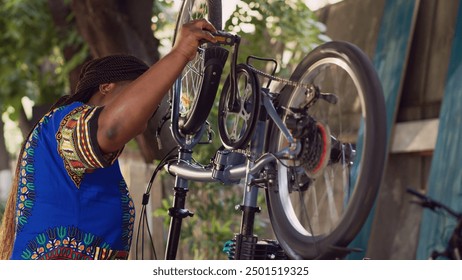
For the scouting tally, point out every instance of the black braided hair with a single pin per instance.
(108, 69)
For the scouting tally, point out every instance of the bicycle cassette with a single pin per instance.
(316, 143)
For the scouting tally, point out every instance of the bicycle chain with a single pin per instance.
(308, 87)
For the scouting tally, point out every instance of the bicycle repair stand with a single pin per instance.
(178, 211)
(245, 245)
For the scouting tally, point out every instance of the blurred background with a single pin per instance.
(415, 46)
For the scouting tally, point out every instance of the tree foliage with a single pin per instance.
(283, 30)
(44, 43)
(34, 65)
(31, 55)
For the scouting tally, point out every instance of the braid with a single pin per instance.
(109, 69)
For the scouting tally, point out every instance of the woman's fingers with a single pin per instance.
(206, 25)
(202, 28)
(191, 35)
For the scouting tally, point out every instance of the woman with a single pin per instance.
(69, 199)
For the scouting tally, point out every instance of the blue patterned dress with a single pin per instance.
(72, 200)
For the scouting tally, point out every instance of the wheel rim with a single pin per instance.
(192, 76)
(191, 83)
(318, 209)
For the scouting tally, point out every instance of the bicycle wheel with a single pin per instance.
(205, 69)
(322, 198)
(236, 128)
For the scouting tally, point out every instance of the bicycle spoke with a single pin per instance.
(304, 214)
(329, 178)
(234, 127)
(346, 181)
(191, 83)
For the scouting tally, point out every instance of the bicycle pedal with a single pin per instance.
(224, 38)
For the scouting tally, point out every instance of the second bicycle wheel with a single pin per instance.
(198, 83)
(321, 199)
(236, 128)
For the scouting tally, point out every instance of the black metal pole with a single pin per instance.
(178, 211)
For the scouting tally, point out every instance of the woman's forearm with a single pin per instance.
(128, 114)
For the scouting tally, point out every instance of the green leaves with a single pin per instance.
(2, 210)
(31, 54)
(215, 219)
(284, 30)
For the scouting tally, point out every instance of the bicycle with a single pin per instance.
(316, 147)
(453, 248)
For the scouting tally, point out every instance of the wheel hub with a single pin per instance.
(315, 141)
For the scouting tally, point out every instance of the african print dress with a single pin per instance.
(73, 202)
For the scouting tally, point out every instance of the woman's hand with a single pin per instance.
(125, 116)
(190, 36)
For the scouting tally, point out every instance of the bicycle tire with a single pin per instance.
(236, 128)
(316, 217)
(198, 83)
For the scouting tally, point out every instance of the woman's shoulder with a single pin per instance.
(61, 112)
(66, 109)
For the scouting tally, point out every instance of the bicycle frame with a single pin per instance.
(233, 171)
(225, 169)
(299, 151)
(453, 246)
